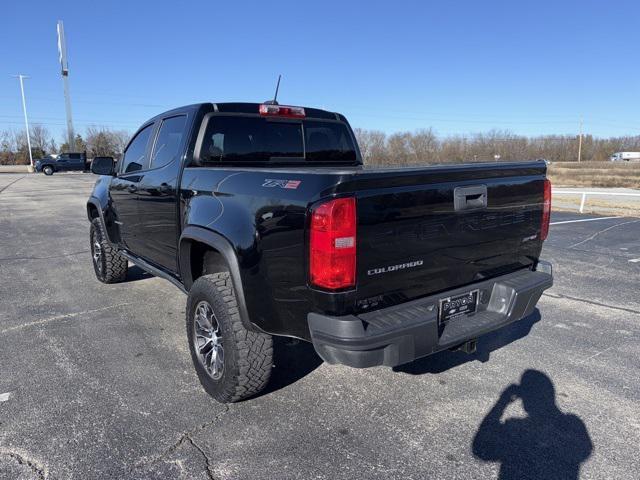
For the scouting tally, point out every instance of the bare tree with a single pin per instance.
(79, 145)
(377, 148)
(7, 150)
(20, 148)
(424, 145)
(362, 136)
(120, 140)
(400, 145)
(102, 141)
(40, 140)
(98, 142)
(372, 145)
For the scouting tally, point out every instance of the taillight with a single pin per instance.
(269, 110)
(332, 244)
(546, 210)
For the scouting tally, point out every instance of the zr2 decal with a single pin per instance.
(289, 184)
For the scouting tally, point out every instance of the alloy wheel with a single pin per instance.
(208, 340)
(96, 253)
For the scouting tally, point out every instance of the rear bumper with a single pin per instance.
(402, 333)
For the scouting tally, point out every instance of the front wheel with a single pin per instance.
(232, 363)
(47, 170)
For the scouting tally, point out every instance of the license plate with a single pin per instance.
(457, 306)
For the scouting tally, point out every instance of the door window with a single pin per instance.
(167, 146)
(134, 158)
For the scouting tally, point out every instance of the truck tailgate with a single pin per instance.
(414, 238)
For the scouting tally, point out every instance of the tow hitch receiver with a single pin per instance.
(468, 347)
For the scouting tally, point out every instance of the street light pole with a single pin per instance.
(26, 121)
(64, 65)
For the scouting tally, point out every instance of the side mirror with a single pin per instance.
(103, 166)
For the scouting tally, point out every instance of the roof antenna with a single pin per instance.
(275, 97)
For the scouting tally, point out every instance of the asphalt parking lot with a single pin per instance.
(96, 380)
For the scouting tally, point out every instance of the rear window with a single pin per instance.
(256, 139)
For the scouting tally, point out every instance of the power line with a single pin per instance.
(93, 102)
(129, 126)
(41, 119)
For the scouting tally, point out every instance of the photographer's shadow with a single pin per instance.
(446, 360)
(546, 444)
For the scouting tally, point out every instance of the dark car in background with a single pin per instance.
(61, 163)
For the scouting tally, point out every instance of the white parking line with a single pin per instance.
(583, 220)
(635, 260)
(4, 396)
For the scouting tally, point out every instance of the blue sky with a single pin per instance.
(531, 67)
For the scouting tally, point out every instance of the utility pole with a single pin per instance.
(580, 142)
(64, 65)
(26, 121)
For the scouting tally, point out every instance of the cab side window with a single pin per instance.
(134, 158)
(167, 146)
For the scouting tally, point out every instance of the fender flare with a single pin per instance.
(96, 203)
(222, 246)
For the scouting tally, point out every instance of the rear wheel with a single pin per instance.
(232, 363)
(47, 170)
(109, 265)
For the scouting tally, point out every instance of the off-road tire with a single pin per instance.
(248, 355)
(111, 267)
(47, 170)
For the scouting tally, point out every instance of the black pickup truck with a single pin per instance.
(264, 215)
(65, 162)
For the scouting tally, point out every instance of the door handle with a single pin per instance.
(470, 198)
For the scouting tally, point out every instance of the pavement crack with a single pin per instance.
(591, 237)
(595, 355)
(59, 317)
(591, 302)
(186, 437)
(8, 185)
(207, 460)
(22, 458)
